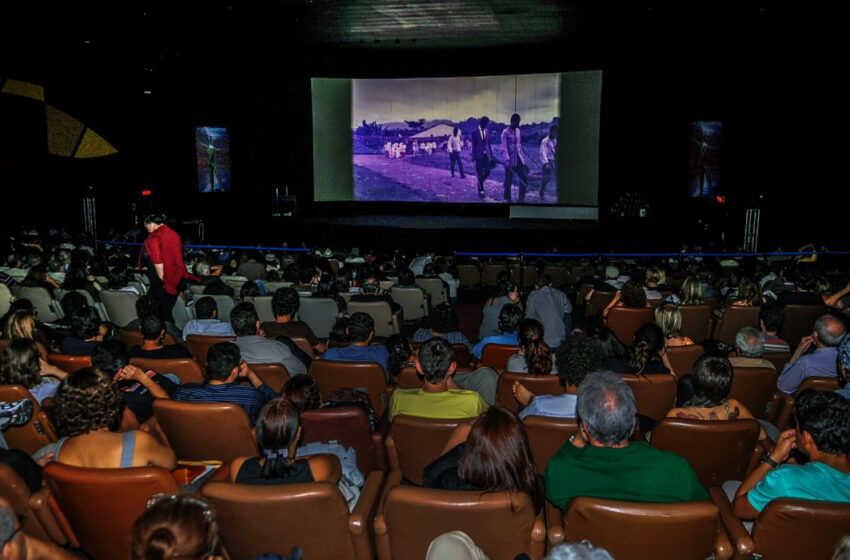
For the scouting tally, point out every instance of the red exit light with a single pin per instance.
(147, 192)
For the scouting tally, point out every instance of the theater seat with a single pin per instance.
(778, 359)
(187, 369)
(273, 375)
(416, 442)
(205, 431)
(101, 505)
(784, 404)
(199, 345)
(642, 531)
(717, 450)
(412, 301)
(331, 375)
(349, 426)
(69, 362)
(39, 521)
(799, 321)
(734, 318)
(537, 384)
(625, 321)
(502, 524)
(546, 436)
(387, 323)
(655, 393)
(435, 288)
(754, 388)
(313, 516)
(36, 433)
(683, 358)
(496, 355)
(696, 321)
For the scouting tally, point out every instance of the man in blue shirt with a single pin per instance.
(509, 318)
(822, 435)
(207, 322)
(361, 331)
(826, 337)
(225, 371)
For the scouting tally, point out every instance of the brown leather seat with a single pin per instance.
(409, 378)
(101, 505)
(784, 404)
(496, 355)
(313, 516)
(799, 321)
(133, 337)
(537, 384)
(598, 302)
(331, 375)
(36, 433)
(818, 384)
(502, 524)
(734, 318)
(187, 369)
(273, 375)
(754, 388)
(696, 321)
(546, 436)
(416, 442)
(655, 393)
(717, 450)
(787, 528)
(205, 431)
(69, 362)
(625, 321)
(199, 345)
(643, 531)
(304, 345)
(683, 358)
(778, 359)
(349, 426)
(32, 507)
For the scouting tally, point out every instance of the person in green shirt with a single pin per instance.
(601, 462)
(438, 397)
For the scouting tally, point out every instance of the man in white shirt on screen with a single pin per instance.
(454, 145)
(548, 147)
(514, 159)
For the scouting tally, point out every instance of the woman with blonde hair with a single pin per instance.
(22, 325)
(669, 318)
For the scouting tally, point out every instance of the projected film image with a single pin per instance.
(704, 168)
(463, 140)
(213, 154)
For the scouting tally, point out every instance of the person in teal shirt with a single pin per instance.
(601, 462)
(823, 434)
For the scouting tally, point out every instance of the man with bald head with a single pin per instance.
(825, 339)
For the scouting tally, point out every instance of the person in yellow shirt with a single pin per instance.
(438, 397)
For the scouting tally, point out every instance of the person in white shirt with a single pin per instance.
(454, 146)
(514, 159)
(548, 147)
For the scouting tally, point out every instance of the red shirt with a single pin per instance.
(164, 247)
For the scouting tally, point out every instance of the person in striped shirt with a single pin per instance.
(771, 316)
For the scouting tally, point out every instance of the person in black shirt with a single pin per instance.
(153, 345)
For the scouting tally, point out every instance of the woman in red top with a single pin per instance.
(162, 256)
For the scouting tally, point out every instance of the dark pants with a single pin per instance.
(521, 172)
(482, 170)
(455, 158)
(166, 301)
(548, 174)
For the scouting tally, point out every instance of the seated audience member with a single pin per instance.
(828, 333)
(805, 292)
(552, 308)
(37, 277)
(303, 392)
(843, 368)
(285, 303)
(448, 276)
(669, 318)
(278, 432)
(612, 348)
(712, 381)
(217, 287)
(691, 293)
(149, 305)
(153, 342)
(223, 382)
(509, 318)
(22, 325)
(491, 455)
(647, 354)
(436, 399)
(400, 354)
(771, 317)
(360, 332)
(655, 279)
(15, 544)
(257, 349)
(327, 288)
(601, 462)
(249, 291)
(822, 435)
(20, 364)
(407, 279)
(119, 281)
(87, 414)
(508, 294)
(457, 545)
(78, 277)
(577, 357)
(338, 335)
(749, 344)
(535, 356)
(609, 285)
(86, 332)
(207, 322)
(631, 295)
(139, 388)
(177, 526)
(748, 294)
(252, 267)
(371, 292)
(443, 323)
(71, 303)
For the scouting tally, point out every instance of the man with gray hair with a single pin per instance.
(750, 347)
(601, 462)
(829, 330)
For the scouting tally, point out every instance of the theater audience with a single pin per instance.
(257, 349)
(86, 332)
(508, 294)
(222, 382)
(285, 304)
(631, 295)
(207, 322)
(669, 318)
(843, 368)
(443, 323)
(153, 342)
(20, 364)
(252, 267)
(37, 277)
(303, 392)
(747, 295)
(825, 338)
(534, 356)
(436, 399)
(360, 332)
(400, 354)
(22, 325)
(87, 414)
(601, 461)
(691, 293)
(149, 305)
(646, 355)
(655, 279)
(771, 317)
(749, 349)
(179, 526)
(509, 318)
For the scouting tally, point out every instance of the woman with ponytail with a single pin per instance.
(534, 355)
(177, 527)
(646, 355)
(278, 430)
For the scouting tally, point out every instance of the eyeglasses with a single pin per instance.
(21, 521)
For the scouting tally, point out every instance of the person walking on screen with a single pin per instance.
(514, 159)
(454, 146)
(548, 147)
(211, 165)
(482, 153)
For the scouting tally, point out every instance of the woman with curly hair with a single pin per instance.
(534, 355)
(631, 295)
(20, 364)
(87, 413)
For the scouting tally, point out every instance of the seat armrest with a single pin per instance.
(367, 504)
(392, 454)
(785, 410)
(382, 539)
(734, 527)
(38, 502)
(379, 451)
(554, 524)
(537, 544)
